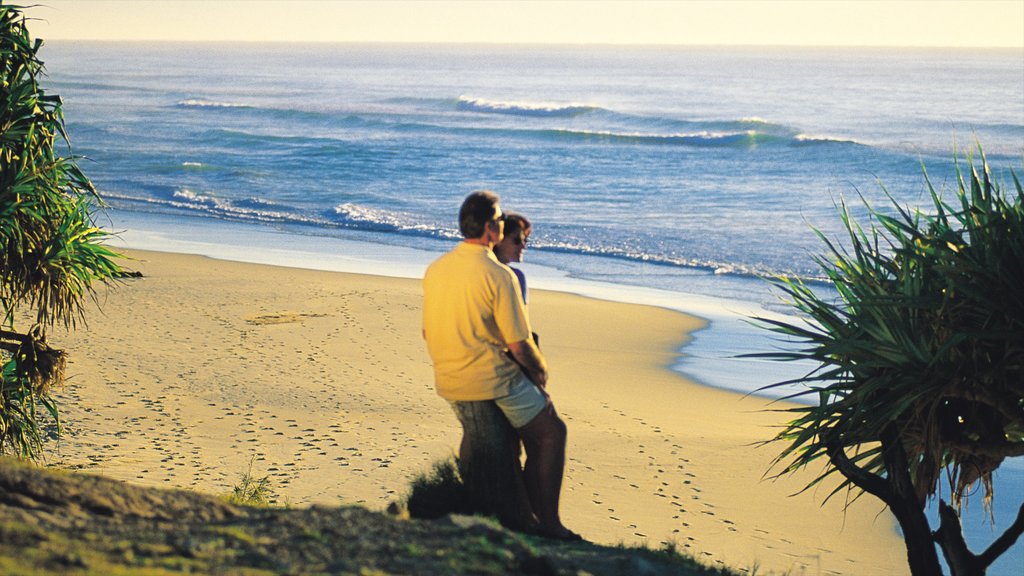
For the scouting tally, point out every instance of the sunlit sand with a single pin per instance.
(321, 381)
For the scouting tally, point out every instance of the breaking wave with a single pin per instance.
(535, 109)
(203, 103)
(355, 216)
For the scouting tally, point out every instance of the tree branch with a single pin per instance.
(1006, 404)
(950, 537)
(11, 341)
(1003, 543)
(989, 449)
(865, 480)
(13, 336)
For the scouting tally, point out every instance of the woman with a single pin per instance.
(510, 249)
(512, 245)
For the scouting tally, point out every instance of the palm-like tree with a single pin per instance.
(50, 250)
(920, 362)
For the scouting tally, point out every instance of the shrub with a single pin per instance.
(438, 493)
(920, 362)
(50, 250)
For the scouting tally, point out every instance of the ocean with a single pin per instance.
(673, 176)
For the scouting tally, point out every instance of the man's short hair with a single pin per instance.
(477, 210)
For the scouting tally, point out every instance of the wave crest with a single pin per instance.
(246, 210)
(744, 139)
(204, 103)
(808, 140)
(371, 218)
(538, 109)
(352, 215)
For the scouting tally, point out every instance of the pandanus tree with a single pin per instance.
(919, 362)
(51, 252)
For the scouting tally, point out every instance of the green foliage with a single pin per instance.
(251, 491)
(20, 433)
(926, 342)
(50, 249)
(919, 363)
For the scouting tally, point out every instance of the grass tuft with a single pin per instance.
(251, 491)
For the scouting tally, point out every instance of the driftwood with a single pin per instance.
(490, 466)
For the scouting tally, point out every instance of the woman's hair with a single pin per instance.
(477, 210)
(516, 224)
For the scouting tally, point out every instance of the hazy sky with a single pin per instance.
(730, 22)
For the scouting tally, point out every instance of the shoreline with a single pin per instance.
(707, 359)
(320, 380)
(710, 358)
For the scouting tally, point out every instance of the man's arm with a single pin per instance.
(530, 359)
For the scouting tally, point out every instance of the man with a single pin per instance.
(473, 321)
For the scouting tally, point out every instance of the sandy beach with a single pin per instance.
(321, 380)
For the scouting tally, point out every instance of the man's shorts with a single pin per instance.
(523, 403)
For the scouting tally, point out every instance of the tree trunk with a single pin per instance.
(490, 467)
(908, 509)
(921, 554)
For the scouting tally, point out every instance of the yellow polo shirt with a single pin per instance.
(472, 308)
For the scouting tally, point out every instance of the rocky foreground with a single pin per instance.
(54, 522)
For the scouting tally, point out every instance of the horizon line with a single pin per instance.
(533, 44)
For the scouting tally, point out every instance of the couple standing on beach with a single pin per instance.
(478, 335)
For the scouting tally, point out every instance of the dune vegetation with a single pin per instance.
(55, 522)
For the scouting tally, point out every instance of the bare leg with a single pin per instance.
(544, 438)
